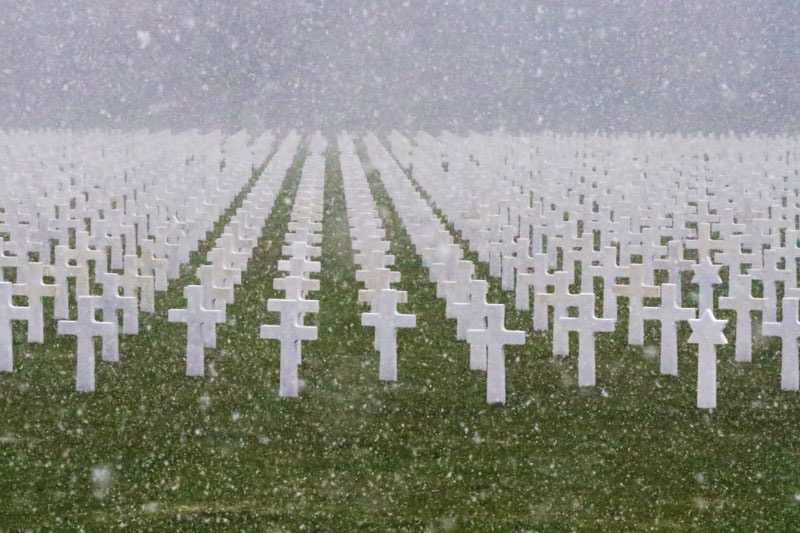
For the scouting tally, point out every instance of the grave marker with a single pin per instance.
(8, 313)
(494, 338)
(707, 333)
(386, 320)
(669, 313)
(86, 328)
(788, 329)
(198, 320)
(586, 324)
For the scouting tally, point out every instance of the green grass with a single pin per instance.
(357, 454)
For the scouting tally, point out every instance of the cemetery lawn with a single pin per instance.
(153, 448)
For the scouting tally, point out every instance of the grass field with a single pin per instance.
(153, 448)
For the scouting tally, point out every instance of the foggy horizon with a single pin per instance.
(621, 66)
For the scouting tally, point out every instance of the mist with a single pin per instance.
(711, 66)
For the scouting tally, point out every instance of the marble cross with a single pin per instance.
(86, 328)
(32, 286)
(386, 320)
(706, 275)
(8, 313)
(789, 331)
(472, 315)
(669, 313)
(586, 324)
(111, 301)
(495, 337)
(636, 291)
(198, 320)
(740, 299)
(290, 332)
(134, 283)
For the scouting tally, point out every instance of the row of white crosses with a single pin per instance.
(480, 323)
(534, 207)
(301, 247)
(68, 211)
(207, 302)
(371, 255)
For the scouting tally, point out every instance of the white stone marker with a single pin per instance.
(149, 265)
(704, 244)
(669, 313)
(86, 328)
(770, 275)
(386, 320)
(374, 281)
(707, 333)
(706, 275)
(472, 315)
(673, 263)
(111, 302)
(494, 338)
(34, 288)
(290, 333)
(198, 321)
(636, 291)
(299, 266)
(789, 331)
(559, 300)
(741, 300)
(586, 324)
(9, 312)
(132, 282)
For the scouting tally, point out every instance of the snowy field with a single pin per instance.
(288, 332)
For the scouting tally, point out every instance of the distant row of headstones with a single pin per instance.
(547, 213)
(301, 250)
(207, 302)
(80, 208)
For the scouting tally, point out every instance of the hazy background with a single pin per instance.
(699, 65)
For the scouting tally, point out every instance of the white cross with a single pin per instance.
(704, 244)
(299, 266)
(636, 291)
(295, 287)
(217, 294)
(741, 300)
(374, 259)
(559, 300)
(198, 321)
(386, 320)
(86, 328)
(542, 279)
(472, 315)
(9, 312)
(111, 301)
(494, 338)
(707, 333)
(290, 333)
(375, 280)
(674, 263)
(134, 284)
(789, 331)
(457, 289)
(149, 265)
(669, 313)
(770, 275)
(31, 285)
(586, 324)
(706, 275)
(61, 270)
(301, 249)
